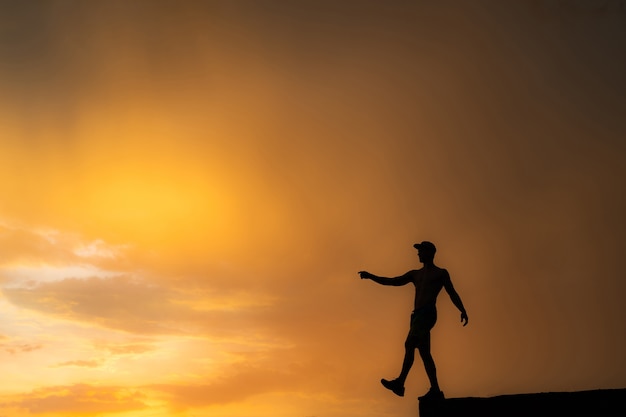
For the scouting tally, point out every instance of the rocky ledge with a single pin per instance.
(596, 403)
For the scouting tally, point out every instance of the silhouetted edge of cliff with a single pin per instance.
(600, 403)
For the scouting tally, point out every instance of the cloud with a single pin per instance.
(79, 398)
(246, 383)
(120, 303)
(79, 363)
(20, 245)
(110, 349)
(124, 348)
(14, 348)
(303, 371)
(136, 306)
(30, 254)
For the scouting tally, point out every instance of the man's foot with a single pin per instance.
(394, 385)
(432, 394)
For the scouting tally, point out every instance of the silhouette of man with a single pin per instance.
(428, 281)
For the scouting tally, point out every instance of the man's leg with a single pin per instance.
(429, 365)
(409, 357)
(397, 385)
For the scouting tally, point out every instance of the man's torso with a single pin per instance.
(428, 283)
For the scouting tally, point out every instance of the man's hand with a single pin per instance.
(464, 318)
(365, 275)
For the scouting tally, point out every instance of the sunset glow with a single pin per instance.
(188, 189)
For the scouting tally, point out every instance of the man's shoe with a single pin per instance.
(432, 395)
(394, 386)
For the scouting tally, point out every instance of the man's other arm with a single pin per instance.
(454, 296)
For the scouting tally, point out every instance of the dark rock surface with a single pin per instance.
(597, 403)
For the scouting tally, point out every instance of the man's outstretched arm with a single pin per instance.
(456, 299)
(397, 281)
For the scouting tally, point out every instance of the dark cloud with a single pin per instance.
(120, 303)
(132, 305)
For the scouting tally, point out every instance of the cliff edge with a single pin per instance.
(596, 403)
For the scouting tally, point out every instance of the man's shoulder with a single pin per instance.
(444, 276)
(443, 272)
(440, 273)
(413, 274)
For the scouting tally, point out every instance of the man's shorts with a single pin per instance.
(422, 320)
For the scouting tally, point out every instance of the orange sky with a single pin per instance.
(188, 191)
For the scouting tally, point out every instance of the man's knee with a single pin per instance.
(411, 343)
(423, 345)
(424, 351)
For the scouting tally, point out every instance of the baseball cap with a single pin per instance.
(426, 247)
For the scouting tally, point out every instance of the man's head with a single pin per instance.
(426, 251)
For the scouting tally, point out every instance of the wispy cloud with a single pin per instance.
(15, 348)
(247, 382)
(132, 348)
(79, 363)
(77, 399)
